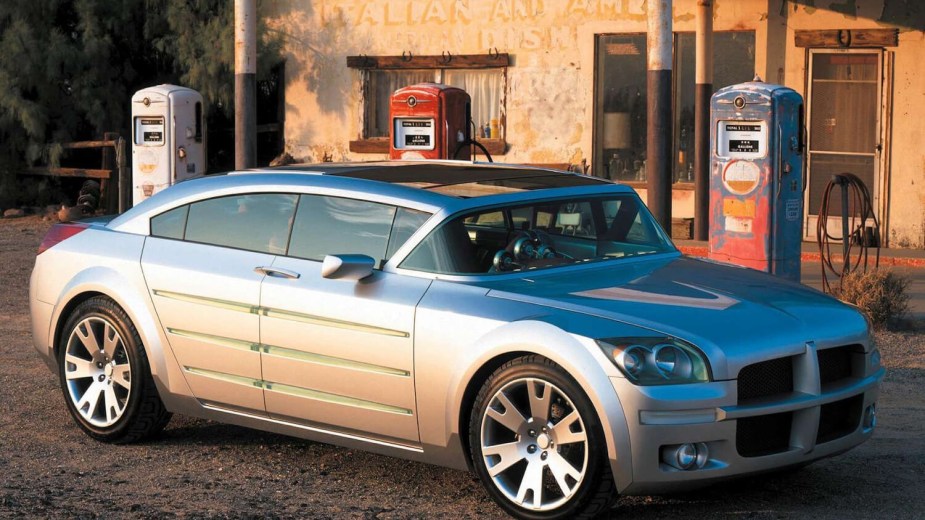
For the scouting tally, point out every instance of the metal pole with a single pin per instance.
(703, 90)
(658, 131)
(245, 84)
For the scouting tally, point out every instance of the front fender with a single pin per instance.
(451, 348)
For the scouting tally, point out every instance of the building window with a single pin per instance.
(483, 77)
(620, 99)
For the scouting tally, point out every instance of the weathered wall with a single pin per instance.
(550, 83)
(902, 175)
(551, 79)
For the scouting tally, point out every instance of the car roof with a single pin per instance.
(460, 179)
(429, 186)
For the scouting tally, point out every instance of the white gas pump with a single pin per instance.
(168, 138)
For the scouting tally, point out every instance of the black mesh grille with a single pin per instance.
(767, 378)
(835, 364)
(839, 418)
(763, 435)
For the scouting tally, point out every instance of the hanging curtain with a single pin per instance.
(382, 84)
(484, 87)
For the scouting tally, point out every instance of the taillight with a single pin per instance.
(59, 233)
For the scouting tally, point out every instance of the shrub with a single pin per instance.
(881, 294)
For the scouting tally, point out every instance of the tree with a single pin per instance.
(68, 68)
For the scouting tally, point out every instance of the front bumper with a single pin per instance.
(808, 425)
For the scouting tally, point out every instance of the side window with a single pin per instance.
(255, 222)
(334, 225)
(575, 218)
(407, 221)
(170, 224)
(490, 219)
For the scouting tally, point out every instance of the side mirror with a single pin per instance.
(347, 267)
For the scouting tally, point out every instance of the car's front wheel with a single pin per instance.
(105, 376)
(537, 445)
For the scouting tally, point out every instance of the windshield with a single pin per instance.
(540, 235)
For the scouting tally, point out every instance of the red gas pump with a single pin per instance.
(429, 121)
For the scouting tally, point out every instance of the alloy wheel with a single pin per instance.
(97, 371)
(534, 444)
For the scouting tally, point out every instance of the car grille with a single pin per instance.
(839, 418)
(835, 363)
(763, 435)
(765, 379)
(761, 382)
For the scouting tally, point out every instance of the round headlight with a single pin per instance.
(634, 359)
(673, 362)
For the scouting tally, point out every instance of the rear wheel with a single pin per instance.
(105, 376)
(537, 445)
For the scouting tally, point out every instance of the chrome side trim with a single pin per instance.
(217, 340)
(205, 300)
(313, 429)
(321, 359)
(330, 322)
(289, 353)
(281, 314)
(342, 400)
(296, 391)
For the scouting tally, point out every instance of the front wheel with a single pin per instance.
(537, 445)
(105, 376)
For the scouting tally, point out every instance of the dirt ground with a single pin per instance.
(196, 468)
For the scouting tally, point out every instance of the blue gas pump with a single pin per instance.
(756, 177)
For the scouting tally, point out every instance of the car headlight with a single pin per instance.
(657, 361)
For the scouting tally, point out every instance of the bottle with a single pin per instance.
(495, 129)
(613, 168)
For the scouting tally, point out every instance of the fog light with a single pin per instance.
(686, 456)
(870, 417)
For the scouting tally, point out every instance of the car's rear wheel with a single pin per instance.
(537, 445)
(105, 376)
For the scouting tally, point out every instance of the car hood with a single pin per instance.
(736, 316)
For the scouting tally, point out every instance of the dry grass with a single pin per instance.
(881, 294)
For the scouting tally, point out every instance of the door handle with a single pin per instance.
(277, 272)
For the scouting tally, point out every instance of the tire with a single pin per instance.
(105, 376)
(549, 459)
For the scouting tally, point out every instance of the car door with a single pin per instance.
(336, 353)
(199, 264)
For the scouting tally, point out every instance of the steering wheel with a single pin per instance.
(527, 246)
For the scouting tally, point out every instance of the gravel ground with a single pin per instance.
(197, 468)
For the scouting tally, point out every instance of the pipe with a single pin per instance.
(659, 128)
(703, 90)
(245, 84)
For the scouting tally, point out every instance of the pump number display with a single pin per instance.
(413, 134)
(741, 139)
(149, 131)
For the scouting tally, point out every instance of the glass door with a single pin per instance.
(843, 112)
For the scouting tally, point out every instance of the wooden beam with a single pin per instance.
(446, 61)
(847, 38)
(70, 172)
(87, 144)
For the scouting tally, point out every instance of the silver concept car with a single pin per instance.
(537, 327)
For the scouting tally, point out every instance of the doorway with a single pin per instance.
(844, 92)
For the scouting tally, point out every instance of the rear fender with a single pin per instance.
(131, 294)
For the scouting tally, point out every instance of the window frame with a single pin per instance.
(364, 64)
(597, 163)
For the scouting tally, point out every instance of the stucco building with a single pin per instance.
(564, 82)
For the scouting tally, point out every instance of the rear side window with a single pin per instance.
(333, 225)
(255, 222)
(170, 224)
(407, 221)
